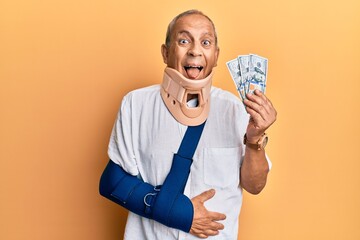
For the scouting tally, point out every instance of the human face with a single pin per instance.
(192, 51)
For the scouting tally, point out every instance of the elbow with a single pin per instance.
(254, 183)
(254, 188)
(108, 180)
(103, 189)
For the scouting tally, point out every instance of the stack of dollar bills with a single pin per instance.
(249, 73)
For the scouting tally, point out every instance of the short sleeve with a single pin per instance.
(120, 149)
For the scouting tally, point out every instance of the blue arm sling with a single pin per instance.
(165, 204)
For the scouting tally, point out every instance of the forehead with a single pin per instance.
(193, 23)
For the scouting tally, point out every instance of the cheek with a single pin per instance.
(178, 56)
(211, 60)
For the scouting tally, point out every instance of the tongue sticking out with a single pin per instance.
(193, 72)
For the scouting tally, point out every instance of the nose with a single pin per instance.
(195, 50)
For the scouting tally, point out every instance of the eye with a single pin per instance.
(183, 41)
(206, 43)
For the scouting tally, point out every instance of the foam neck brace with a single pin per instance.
(176, 90)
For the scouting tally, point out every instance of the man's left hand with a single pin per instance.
(262, 115)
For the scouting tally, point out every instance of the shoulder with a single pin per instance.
(139, 98)
(143, 92)
(141, 95)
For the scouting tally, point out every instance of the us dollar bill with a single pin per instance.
(249, 72)
(257, 73)
(234, 69)
(244, 67)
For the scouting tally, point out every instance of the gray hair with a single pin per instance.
(183, 14)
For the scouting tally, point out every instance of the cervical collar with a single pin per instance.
(175, 90)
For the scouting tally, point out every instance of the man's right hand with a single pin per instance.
(205, 223)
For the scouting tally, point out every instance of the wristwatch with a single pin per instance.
(259, 145)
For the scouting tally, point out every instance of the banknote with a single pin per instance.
(244, 67)
(249, 72)
(257, 73)
(234, 69)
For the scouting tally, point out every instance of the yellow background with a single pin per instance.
(65, 66)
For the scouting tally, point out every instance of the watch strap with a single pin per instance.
(256, 146)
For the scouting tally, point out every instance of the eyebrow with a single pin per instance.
(188, 33)
(183, 32)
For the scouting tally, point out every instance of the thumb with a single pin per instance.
(204, 196)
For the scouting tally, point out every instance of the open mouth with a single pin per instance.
(193, 71)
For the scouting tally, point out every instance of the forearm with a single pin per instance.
(254, 170)
(170, 208)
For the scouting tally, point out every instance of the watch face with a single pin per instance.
(264, 142)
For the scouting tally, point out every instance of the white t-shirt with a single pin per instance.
(145, 137)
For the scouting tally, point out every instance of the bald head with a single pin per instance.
(183, 14)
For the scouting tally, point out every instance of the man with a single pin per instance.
(152, 123)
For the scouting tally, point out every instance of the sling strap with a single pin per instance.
(166, 204)
(172, 201)
(190, 141)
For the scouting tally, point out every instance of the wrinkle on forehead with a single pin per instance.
(185, 24)
(186, 32)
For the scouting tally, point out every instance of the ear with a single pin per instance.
(164, 53)
(217, 52)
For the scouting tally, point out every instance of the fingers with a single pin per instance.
(204, 234)
(205, 223)
(216, 216)
(205, 229)
(258, 103)
(204, 196)
(261, 110)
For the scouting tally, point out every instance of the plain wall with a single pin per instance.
(65, 66)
